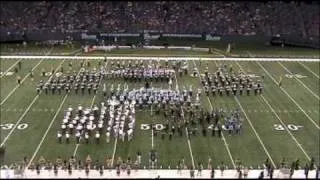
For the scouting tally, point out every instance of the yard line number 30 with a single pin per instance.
(9, 126)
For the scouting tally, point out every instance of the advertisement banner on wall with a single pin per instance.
(212, 38)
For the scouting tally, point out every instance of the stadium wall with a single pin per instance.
(165, 39)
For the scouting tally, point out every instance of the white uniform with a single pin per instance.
(130, 133)
(97, 135)
(122, 135)
(65, 121)
(59, 135)
(108, 137)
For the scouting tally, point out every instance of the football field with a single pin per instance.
(281, 123)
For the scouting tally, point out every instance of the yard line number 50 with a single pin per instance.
(9, 126)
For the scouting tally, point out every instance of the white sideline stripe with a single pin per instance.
(254, 130)
(17, 123)
(10, 68)
(92, 102)
(12, 91)
(45, 134)
(223, 138)
(274, 112)
(187, 136)
(160, 58)
(309, 70)
(289, 97)
(305, 153)
(219, 52)
(300, 81)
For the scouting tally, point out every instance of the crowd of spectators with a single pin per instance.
(215, 17)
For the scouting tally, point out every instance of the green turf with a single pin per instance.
(246, 147)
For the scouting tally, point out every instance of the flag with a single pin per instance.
(280, 81)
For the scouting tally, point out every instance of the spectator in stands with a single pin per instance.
(215, 17)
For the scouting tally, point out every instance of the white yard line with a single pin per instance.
(219, 52)
(45, 134)
(17, 123)
(152, 143)
(12, 91)
(188, 140)
(306, 67)
(51, 123)
(92, 102)
(223, 138)
(299, 81)
(114, 150)
(254, 130)
(274, 112)
(25, 112)
(289, 96)
(148, 58)
(4, 73)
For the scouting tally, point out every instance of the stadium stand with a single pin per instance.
(214, 17)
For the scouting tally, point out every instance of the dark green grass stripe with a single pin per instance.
(64, 150)
(21, 101)
(274, 139)
(294, 89)
(248, 154)
(307, 136)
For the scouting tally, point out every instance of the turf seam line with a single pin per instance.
(289, 97)
(12, 91)
(309, 70)
(4, 73)
(283, 124)
(223, 138)
(300, 81)
(92, 102)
